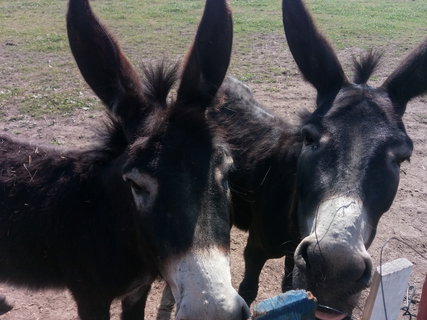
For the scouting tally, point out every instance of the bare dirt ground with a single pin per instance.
(285, 95)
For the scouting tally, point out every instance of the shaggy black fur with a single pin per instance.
(352, 144)
(89, 220)
(366, 66)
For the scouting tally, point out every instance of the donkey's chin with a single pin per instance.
(225, 308)
(334, 302)
(335, 307)
(200, 282)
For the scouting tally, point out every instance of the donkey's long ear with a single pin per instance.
(207, 61)
(101, 61)
(314, 56)
(409, 79)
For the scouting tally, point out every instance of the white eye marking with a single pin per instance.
(324, 139)
(228, 161)
(228, 195)
(218, 176)
(144, 188)
(223, 168)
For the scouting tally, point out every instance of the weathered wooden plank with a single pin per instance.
(422, 308)
(395, 276)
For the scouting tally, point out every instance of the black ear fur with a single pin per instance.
(313, 54)
(101, 61)
(409, 80)
(208, 59)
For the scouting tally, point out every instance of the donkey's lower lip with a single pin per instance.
(328, 313)
(329, 316)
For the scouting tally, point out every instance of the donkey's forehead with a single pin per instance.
(179, 147)
(140, 145)
(362, 103)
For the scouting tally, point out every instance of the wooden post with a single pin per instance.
(422, 308)
(395, 277)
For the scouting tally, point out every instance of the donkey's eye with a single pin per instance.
(141, 183)
(310, 136)
(400, 154)
(400, 160)
(308, 140)
(139, 189)
(144, 188)
(136, 187)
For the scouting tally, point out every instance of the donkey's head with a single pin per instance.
(348, 170)
(172, 167)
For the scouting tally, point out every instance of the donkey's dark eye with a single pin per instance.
(310, 136)
(400, 160)
(308, 140)
(401, 154)
(136, 187)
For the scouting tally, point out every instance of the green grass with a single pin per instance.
(40, 78)
(370, 23)
(54, 103)
(40, 26)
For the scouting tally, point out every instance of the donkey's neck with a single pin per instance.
(41, 179)
(265, 151)
(258, 139)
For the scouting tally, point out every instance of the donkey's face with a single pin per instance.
(348, 169)
(178, 179)
(354, 150)
(172, 165)
(348, 174)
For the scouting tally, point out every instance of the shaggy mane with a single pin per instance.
(366, 65)
(112, 140)
(157, 83)
(159, 80)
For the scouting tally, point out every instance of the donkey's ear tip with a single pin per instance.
(409, 80)
(207, 61)
(77, 5)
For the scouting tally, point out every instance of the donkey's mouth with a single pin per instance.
(328, 313)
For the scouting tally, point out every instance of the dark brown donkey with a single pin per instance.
(321, 186)
(149, 199)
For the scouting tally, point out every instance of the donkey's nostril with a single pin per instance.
(301, 258)
(304, 255)
(246, 314)
(365, 279)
